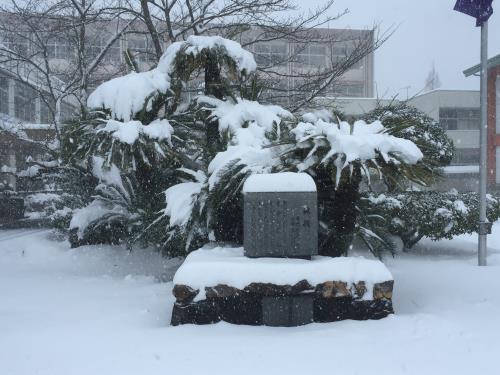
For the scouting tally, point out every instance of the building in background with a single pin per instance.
(24, 105)
(291, 61)
(493, 161)
(299, 59)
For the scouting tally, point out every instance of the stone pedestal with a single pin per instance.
(222, 285)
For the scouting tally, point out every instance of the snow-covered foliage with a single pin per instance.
(128, 132)
(125, 96)
(196, 44)
(412, 124)
(180, 200)
(151, 145)
(343, 144)
(413, 215)
(246, 121)
(168, 167)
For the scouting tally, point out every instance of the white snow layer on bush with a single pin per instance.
(248, 122)
(279, 182)
(30, 171)
(125, 96)
(257, 160)
(128, 132)
(361, 142)
(110, 176)
(41, 198)
(232, 117)
(180, 200)
(85, 216)
(210, 267)
(244, 59)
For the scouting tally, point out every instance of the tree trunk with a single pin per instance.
(213, 87)
(342, 214)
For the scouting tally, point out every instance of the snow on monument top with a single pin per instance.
(279, 182)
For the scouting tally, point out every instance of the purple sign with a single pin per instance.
(481, 10)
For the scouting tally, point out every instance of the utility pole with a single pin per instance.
(484, 227)
(481, 10)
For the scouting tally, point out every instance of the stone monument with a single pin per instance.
(277, 279)
(280, 216)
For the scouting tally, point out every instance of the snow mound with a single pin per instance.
(228, 266)
(279, 182)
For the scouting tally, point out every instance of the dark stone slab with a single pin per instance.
(244, 309)
(276, 305)
(288, 311)
(332, 310)
(202, 312)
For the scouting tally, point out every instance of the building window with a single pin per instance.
(45, 112)
(59, 48)
(339, 51)
(4, 95)
(142, 48)
(16, 42)
(25, 102)
(312, 55)
(466, 156)
(113, 54)
(460, 118)
(347, 90)
(270, 54)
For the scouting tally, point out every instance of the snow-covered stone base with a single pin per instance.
(221, 284)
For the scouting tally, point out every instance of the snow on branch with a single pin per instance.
(357, 142)
(246, 120)
(129, 132)
(126, 96)
(244, 60)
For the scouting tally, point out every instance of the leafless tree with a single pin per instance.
(255, 21)
(57, 48)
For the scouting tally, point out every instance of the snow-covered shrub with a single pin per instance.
(148, 129)
(168, 166)
(405, 121)
(413, 215)
(340, 156)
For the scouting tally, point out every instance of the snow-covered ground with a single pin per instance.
(103, 310)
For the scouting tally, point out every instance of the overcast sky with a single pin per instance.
(428, 31)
